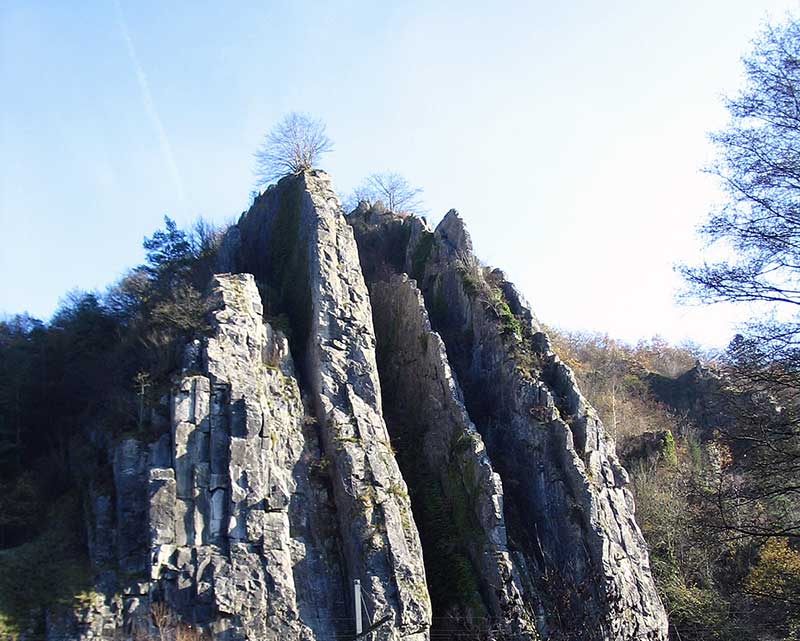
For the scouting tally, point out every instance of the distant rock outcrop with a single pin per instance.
(648, 448)
(699, 394)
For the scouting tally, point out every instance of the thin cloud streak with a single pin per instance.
(149, 105)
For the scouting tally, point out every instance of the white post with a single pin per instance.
(357, 595)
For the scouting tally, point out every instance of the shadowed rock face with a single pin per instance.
(422, 419)
(444, 461)
(572, 536)
(699, 394)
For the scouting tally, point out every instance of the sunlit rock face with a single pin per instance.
(367, 403)
(309, 255)
(228, 535)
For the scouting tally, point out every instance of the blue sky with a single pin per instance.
(569, 137)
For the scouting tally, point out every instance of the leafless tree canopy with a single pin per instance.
(293, 146)
(393, 190)
(759, 167)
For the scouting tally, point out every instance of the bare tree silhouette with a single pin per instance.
(293, 146)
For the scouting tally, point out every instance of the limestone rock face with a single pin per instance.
(129, 465)
(328, 301)
(381, 540)
(420, 437)
(228, 532)
(572, 534)
(443, 456)
(219, 513)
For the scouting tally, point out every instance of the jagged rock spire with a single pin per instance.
(444, 452)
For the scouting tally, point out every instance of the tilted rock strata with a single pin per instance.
(582, 557)
(274, 484)
(380, 538)
(218, 524)
(251, 518)
(447, 453)
(568, 483)
(225, 531)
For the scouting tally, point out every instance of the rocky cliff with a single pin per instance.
(571, 531)
(368, 404)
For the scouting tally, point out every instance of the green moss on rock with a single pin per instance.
(287, 299)
(422, 252)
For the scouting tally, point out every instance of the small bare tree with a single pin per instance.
(293, 146)
(163, 619)
(393, 190)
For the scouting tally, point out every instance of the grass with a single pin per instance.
(470, 281)
(445, 528)
(669, 451)
(509, 324)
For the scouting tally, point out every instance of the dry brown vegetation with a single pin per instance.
(714, 586)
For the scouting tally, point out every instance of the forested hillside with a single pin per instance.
(102, 359)
(723, 571)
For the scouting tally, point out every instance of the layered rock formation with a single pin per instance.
(420, 437)
(323, 292)
(573, 536)
(231, 547)
(444, 459)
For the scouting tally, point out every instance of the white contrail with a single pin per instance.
(149, 105)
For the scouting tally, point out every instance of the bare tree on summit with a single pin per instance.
(293, 146)
(393, 190)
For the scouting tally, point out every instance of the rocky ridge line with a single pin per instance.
(583, 560)
(276, 483)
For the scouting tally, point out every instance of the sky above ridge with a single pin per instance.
(570, 138)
